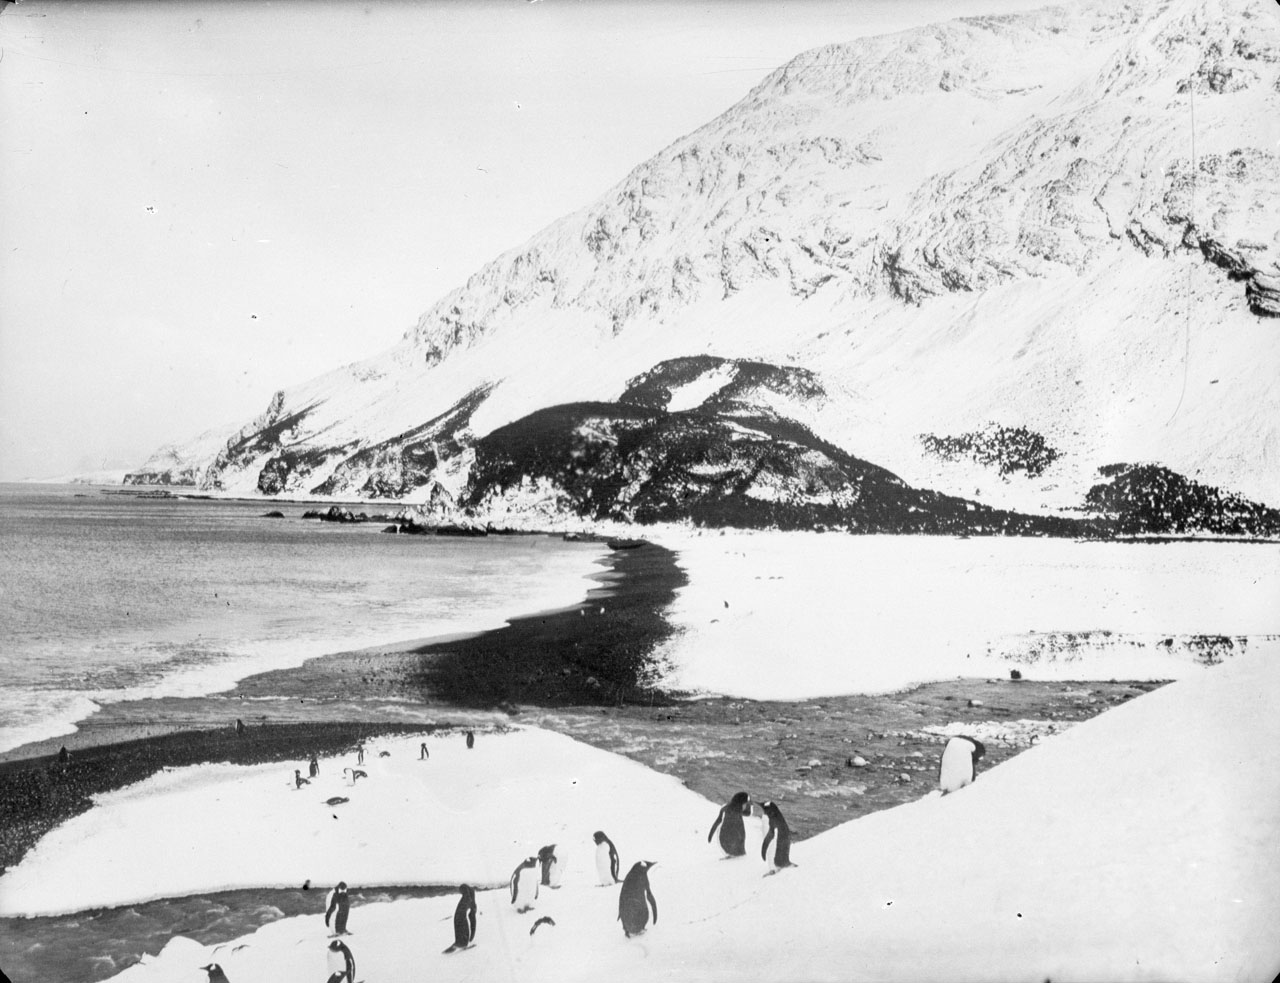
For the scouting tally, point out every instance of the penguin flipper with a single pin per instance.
(764, 847)
(715, 825)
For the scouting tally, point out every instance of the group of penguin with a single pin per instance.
(956, 769)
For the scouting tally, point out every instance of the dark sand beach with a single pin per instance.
(585, 671)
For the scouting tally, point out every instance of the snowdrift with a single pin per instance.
(1137, 846)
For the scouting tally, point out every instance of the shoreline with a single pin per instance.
(333, 701)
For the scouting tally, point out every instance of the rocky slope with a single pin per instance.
(1057, 231)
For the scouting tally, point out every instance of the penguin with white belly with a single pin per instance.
(524, 885)
(959, 764)
(552, 864)
(606, 859)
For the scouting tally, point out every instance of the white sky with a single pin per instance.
(170, 170)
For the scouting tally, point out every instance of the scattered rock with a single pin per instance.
(976, 703)
(273, 514)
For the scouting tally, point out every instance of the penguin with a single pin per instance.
(314, 768)
(360, 755)
(606, 859)
(464, 920)
(63, 755)
(240, 731)
(384, 754)
(755, 828)
(524, 885)
(342, 964)
(779, 835)
(552, 866)
(733, 835)
(423, 753)
(635, 899)
(336, 800)
(340, 902)
(958, 766)
(298, 780)
(471, 739)
(355, 773)
(216, 975)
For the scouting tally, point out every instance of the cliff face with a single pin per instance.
(1064, 224)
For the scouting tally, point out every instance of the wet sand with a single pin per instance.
(584, 671)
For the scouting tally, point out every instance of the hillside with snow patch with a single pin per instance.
(1056, 231)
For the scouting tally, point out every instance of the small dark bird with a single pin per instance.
(635, 900)
(216, 975)
(471, 739)
(314, 768)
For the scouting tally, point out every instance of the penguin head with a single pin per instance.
(978, 749)
(599, 836)
(741, 801)
(547, 853)
(530, 862)
(342, 885)
(216, 975)
(467, 891)
(646, 864)
(335, 946)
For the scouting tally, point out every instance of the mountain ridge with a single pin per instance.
(989, 221)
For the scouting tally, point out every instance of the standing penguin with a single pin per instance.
(360, 754)
(733, 835)
(552, 866)
(606, 859)
(959, 764)
(314, 768)
(216, 975)
(423, 753)
(635, 899)
(471, 739)
(779, 836)
(464, 920)
(340, 902)
(342, 964)
(524, 885)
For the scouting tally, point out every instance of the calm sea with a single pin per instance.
(113, 597)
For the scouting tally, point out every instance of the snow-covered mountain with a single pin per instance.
(990, 256)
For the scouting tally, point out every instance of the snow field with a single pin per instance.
(461, 816)
(1137, 846)
(784, 616)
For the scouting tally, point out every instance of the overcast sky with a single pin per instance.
(202, 203)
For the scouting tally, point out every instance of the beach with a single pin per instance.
(587, 672)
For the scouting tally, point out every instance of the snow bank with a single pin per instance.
(801, 615)
(461, 816)
(1138, 846)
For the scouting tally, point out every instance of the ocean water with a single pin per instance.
(112, 597)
